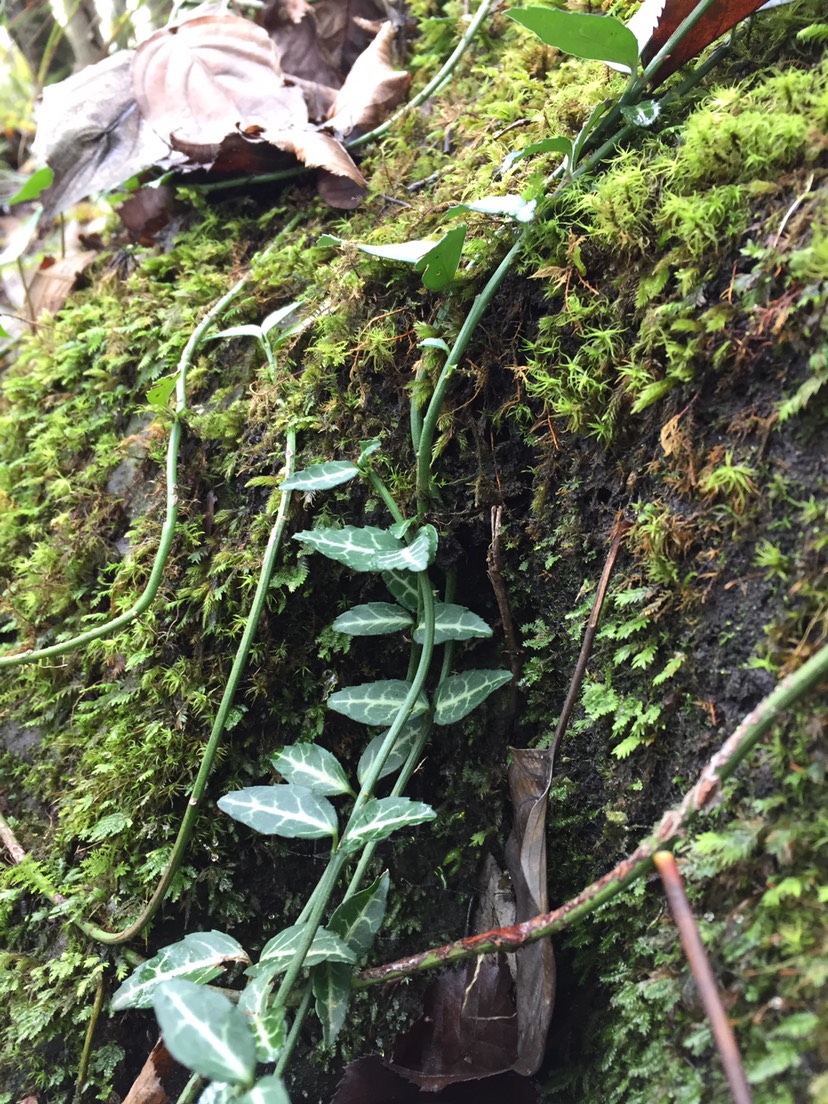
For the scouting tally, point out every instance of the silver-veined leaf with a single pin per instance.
(410, 557)
(453, 622)
(267, 1090)
(403, 586)
(218, 1092)
(313, 767)
(460, 694)
(291, 811)
(598, 37)
(410, 734)
(508, 206)
(205, 1032)
(249, 330)
(352, 545)
(278, 952)
(198, 957)
(379, 817)
(373, 619)
(267, 1024)
(331, 983)
(321, 477)
(357, 920)
(375, 703)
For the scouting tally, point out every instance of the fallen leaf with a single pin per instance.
(372, 89)
(146, 212)
(54, 279)
(198, 81)
(530, 775)
(656, 20)
(92, 135)
(149, 1085)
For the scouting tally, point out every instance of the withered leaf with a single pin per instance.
(54, 279)
(198, 81)
(92, 135)
(372, 89)
(150, 1086)
(530, 775)
(146, 212)
(656, 20)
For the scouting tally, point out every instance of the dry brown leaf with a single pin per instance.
(341, 34)
(199, 81)
(146, 212)
(293, 27)
(92, 135)
(149, 1085)
(53, 281)
(530, 775)
(372, 89)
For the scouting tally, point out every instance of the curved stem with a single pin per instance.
(171, 516)
(435, 404)
(212, 746)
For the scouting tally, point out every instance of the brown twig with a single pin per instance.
(621, 529)
(494, 569)
(722, 765)
(665, 864)
(9, 840)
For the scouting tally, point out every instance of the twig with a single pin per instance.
(789, 691)
(665, 863)
(9, 839)
(494, 569)
(589, 637)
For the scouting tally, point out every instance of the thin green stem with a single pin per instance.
(219, 724)
(86, 1053)
(295, 1029)
(435, 404)
(436, 81)
(171, 516)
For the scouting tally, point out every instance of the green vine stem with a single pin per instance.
(101, 935)
(792, 689)
(435, 404)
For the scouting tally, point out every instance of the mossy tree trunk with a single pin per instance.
(656, 355)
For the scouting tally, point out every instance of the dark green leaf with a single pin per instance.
(411, 732)
(354, 546)
(453, 622)
(439, 264)
(598, 37)
(277, 952)
(379, 817)
(331, 983)
(410, 557)
(545, 145)
(268, 1025)
(460, 694)
(198, 957)
(403, 586)
(357, 920)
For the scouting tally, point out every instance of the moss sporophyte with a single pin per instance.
(623, 279)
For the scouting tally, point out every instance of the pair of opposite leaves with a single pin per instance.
(217, 91)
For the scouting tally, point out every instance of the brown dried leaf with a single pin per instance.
(91, 133)
(199, 81)
(54, 279)
(146, 212)
(372, 89)
(530, 775)
(149, 1085)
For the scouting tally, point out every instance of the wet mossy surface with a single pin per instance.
(655, 356)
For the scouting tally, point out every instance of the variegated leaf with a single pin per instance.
(199, 957)
(354, 546)
(205, 1032)
(291, 811)
(357, 920)
(277, 952)
(460, 694)
(453, 622)
(375, 703)
(373, 619)
(403, 587)
(410, 557)
(379, 817)
(411, 732)
(331, 983)
(267, 1024)
(313, 767)
(321, 477)
(267, 1090)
